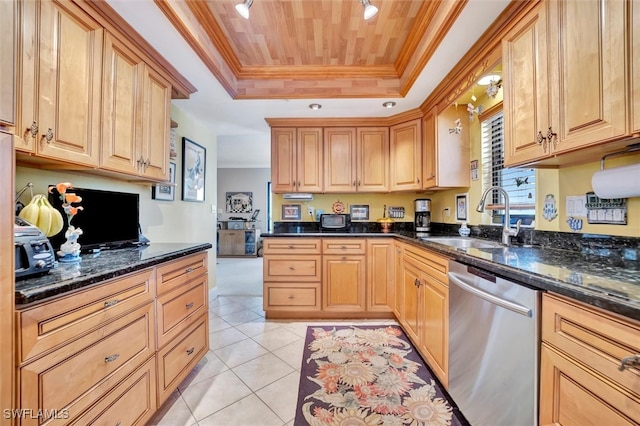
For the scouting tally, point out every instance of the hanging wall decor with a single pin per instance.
(194, 164)
(239, 202)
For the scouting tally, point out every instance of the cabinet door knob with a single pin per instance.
(358, 182)
(551, 135)
(110, 303)
(542, 140)
(49, 135)
(189, 305)
(354, 183)
(190, 350)
(33, 129)
(629, 362)
(111, 358)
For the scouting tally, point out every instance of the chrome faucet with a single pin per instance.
(507, 232)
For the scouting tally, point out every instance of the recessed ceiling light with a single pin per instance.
(389, 104)
(315, 107)
(484, 81)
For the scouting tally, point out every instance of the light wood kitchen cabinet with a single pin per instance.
(344, 274)
(292, 271)
(635, 65)
(60, 65)
(380, 274)
(8, 64)
(296, 159)
(446, 154)
(356, 159)
(135, 114)
(398, 292)
(406, 156)
(231, 242)
(582, 348)
(576, 99)
(75, 376)
(425, 306)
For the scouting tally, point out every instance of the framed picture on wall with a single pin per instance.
(359, 211)
(462, 207)
(166, 192)
(194, 164)
(291, 212)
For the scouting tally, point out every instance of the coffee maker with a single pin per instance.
(422, 219)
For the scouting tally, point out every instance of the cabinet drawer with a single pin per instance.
(344, 246)
(75, 376)
(595, 338)
(175, 309)
(291, 246)
(132, 402)
(292, 268)
(177, 359)
(292, 296)
(50, 325)
(176, 273)
(434, 265)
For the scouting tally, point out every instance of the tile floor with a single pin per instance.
(250, 374)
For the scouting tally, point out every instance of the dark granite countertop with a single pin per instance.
(96, 268)
(609, 282)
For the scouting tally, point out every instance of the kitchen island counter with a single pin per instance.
(96, 268)
(609, 282)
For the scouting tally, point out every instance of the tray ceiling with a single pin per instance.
(291, 49)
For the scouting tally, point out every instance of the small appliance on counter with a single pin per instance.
(33, 252)
(422, 219)
(335, 222)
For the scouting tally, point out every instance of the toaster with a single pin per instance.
(33, 252)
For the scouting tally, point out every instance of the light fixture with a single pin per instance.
(243, 8)
(487, 79)
(369, 9)
(389, 104)
(315, 107)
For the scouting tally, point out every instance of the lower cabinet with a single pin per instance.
(328, 277)
(238, 242)
(580, 379)
(424, 306)
(114, 352)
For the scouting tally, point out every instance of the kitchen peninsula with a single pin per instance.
(111, 337)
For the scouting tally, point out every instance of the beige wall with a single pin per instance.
(161, 221)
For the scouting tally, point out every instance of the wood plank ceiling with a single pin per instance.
(303, 49)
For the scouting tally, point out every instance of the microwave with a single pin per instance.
(33, 252)
(335, 222)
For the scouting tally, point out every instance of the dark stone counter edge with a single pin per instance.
(599, 299)
(28, 296)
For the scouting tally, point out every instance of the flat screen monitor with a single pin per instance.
(109, 219)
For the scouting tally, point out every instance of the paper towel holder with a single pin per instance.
(635, 147)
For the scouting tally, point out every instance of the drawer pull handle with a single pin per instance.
(343, 247)
(290, 246)
(292, 297)
(111, 358)
(190, 350)
(119, 423)
(188, 270)
(630, 361)
(189, 305)
(110, 303)
(291, 268)
(344, 258)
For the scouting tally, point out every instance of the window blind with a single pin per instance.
(519, 183)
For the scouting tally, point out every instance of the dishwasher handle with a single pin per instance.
(460, 282)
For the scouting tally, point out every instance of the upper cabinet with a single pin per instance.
(406, 156)
(565, 79)
(7, 65)
(60, 82)
(444, 168)
(356, 159)
(296, 159)
(635, 65)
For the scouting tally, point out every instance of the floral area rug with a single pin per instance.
(368, 375)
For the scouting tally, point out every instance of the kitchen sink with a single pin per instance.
(463, 242)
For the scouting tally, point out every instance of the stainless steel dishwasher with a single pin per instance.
(494, 352)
